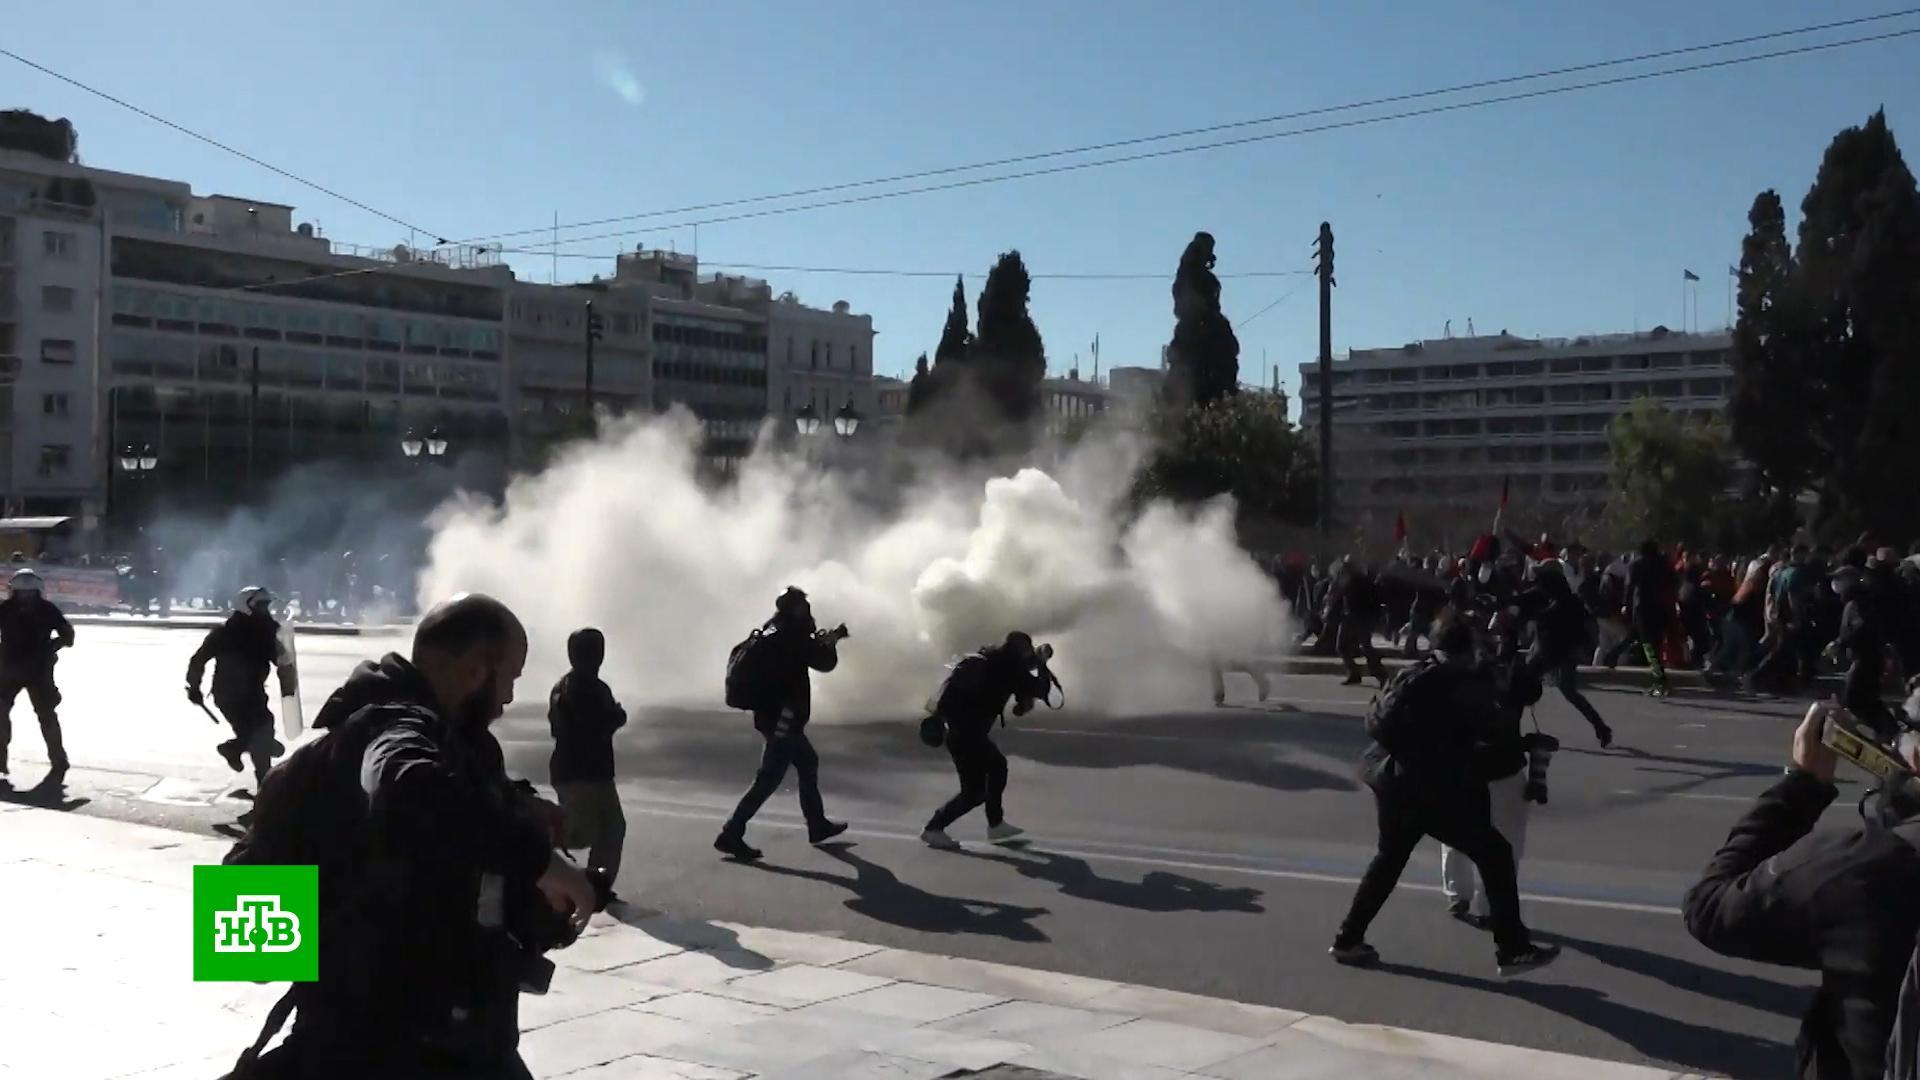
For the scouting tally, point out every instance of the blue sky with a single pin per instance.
(1564, 215)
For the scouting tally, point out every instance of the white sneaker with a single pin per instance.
(1004, 831)
(937, 838)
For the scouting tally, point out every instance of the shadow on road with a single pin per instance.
(1243, 749)
(1781, 999)
(1657, 1036)
(49, 794)
(696, 934)
(879, 894)
(1157, 891)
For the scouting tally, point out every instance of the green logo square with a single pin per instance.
(256, 924)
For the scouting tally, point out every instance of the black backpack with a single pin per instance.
(1391, 713)
(749, 673)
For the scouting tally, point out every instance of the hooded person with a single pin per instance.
(32, 632)
(794, 645)
(243, 649)
(974, 696)
(583, 715)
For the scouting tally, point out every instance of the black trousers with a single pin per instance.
(786, 748)
(1462, 821)
(252, 724)
(1782, 663)
(983, 779)
(1563, 672)
(1356, 639)
(37, 681)
(1861, 692)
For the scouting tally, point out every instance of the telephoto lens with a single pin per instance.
(1540, 749)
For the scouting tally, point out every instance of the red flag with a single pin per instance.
(1400, 528)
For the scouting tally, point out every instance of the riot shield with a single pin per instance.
(292, 723)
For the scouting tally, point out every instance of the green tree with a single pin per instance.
(1774, 392)
(918, 390)
(1242, 446)
(1203, 360)
(1008, 358)
(1858, 270)
(1670, 475)
(955, 338)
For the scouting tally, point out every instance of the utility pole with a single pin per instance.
(1324, 269)
(594, 326)
(253, 416)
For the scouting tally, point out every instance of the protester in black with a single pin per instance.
(1836, 902)
(1868, 593)
(1560, 635)
(1427, 771)
(419, 973)
(583, 715)
(32, 632)
(796, 645)
(973, 698)
(1360, 611)
(243, 649)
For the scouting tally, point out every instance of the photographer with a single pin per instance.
(973, 697)
(424, 863)
(1427, 767)
(1560, 635)
(1837, 902)
(794, 644)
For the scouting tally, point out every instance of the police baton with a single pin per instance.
(209, 712)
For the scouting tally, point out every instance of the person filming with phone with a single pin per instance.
(1839, 902)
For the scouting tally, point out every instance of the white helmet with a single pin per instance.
(253, 599)
(26, 580)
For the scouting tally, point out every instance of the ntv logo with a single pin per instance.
(256, 924)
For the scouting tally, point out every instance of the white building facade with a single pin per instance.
(1434, 429)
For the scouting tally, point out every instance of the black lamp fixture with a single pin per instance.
(807, 421)
(846, 421)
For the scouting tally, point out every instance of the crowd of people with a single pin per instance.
(1768, 622)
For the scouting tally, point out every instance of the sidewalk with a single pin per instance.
(97, 985)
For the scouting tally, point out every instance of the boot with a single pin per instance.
(56, 747)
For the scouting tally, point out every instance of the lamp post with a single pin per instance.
(432, 445)
(139, 463)
(846, 421)
(807, 421)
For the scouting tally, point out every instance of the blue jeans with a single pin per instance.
(784, 748)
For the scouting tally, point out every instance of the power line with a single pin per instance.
(1248, 139)
(210, 141)
(1206, 130)
(1284, 297)
(866, 271)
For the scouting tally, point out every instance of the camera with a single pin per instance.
(535, 929)
(1846, 736)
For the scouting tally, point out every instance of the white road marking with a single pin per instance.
(1196, 861)
(1687, 795)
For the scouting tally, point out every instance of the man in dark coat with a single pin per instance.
(797, 645)
(974, 697)
(32, 632)
(583, 715)
(243, 649)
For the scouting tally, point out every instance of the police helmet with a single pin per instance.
(26, 580)
(252, 600)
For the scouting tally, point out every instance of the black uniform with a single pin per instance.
(1837, 903)
(244, 649)
(32, 631)
(1360, 609)
(975, 697)
(797, 647)
(1433, 782)
(421, 981)
(1865, 633)
(1560, 635)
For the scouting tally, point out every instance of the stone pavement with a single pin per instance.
(96, 983)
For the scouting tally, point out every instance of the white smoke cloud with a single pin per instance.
(621, 536)
(613, 72)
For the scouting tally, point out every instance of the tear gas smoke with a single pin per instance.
(620, 535)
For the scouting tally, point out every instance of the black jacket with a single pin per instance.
(1650, 594)
(1460, 736)
(414, 964)
(1838, 903)
(797, 648)
(1558, 616)
(243, 650)
(977, 692)
(583, 716)
(31, 631)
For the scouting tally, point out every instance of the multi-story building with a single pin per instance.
(1071, 402)
(822, 358)
(1134, 390)
(228, 340)
(1435, 427)
(547, 337)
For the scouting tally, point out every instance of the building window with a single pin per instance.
(57, 245)
(53, 404)
(54, 459)
(56, 298)
(57, 351)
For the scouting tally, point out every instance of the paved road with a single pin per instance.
(1211, 851)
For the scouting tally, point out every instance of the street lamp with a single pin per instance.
(411, 444)
(807, 421)
(846, 421)
(138, 462)
(436, 443)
